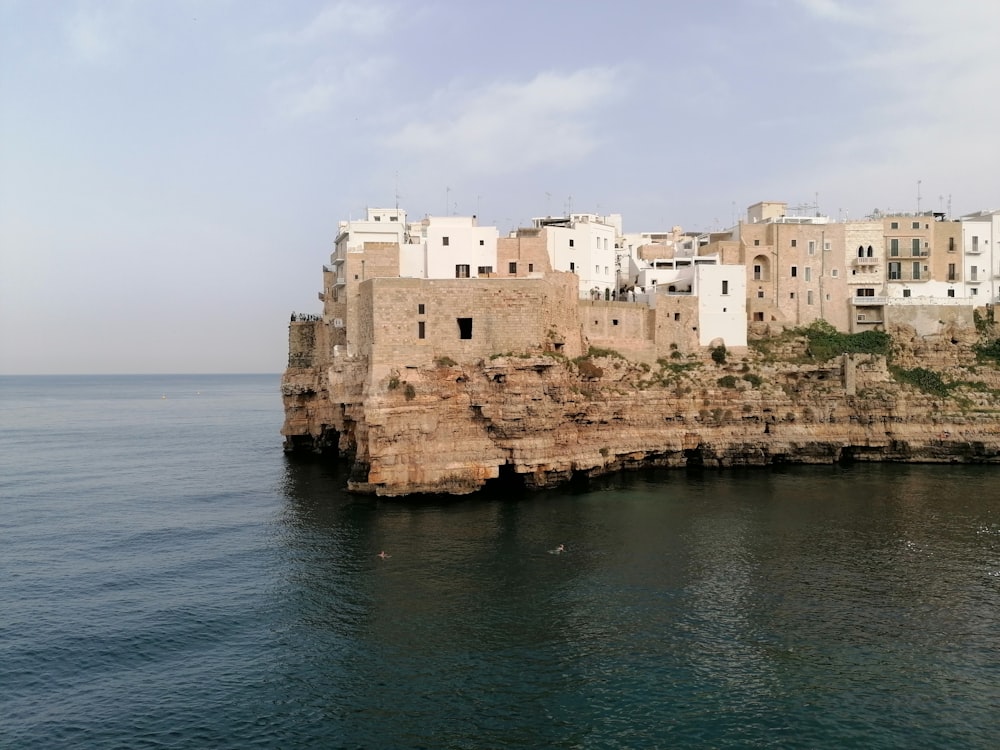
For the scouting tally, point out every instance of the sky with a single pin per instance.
(172, 172)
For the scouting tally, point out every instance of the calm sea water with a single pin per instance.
(171, 580)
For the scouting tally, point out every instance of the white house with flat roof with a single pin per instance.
(454, 247)
(584, 244)
(980, 259)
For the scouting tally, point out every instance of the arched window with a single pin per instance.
(870, 251)
(861, 251)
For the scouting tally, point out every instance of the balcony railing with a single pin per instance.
(867, 261)
(869, 301)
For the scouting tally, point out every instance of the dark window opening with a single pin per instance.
(465, 328)
(445, 241)
(461, 271)
(758, 316)
(614, 321)
(420, 309)
(572, 266)
(512, 267)
(677, 316)
(421, 330)
(531, 267)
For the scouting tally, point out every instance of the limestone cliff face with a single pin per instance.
(542, 418)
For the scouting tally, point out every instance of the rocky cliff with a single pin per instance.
(539, 418)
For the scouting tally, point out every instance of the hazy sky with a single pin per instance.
(172, 173)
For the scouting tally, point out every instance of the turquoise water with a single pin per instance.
(171, 580)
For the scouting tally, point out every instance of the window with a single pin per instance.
(870, 251)
(866, 292)
(605, 270)
(951, 292)
(894, 225)
(895, 271)
(677, 316)
(808, 274)
(791, 295)
(571, 243)
(915, 245)
(756, 243)
(461, 271)
(951, 244)
(597, 269)
(795, 243)
(512, 267)
(916, 271)
(975, 244)
(598, 245)
(916, 225)
(393, 218)
(421, 330)
(725, 286)
(861, 251)
(420, 309)
(757, 273)
(834, 273)
(973, 292)
(894, 247)
(809, 297)
(758, 317)
(531, 267)
(572, 266)
(812, 247)
(445, 241)
(906, 292)
(951, 272)
(378, 218)
(614, 321)
(973, 273)
(484, 270)
(465, 328)
(482, 242)
(795, 271)
(760, 294)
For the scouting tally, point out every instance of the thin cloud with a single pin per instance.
(338, 19)
(318, 91)
(90, 35)
(551, 119)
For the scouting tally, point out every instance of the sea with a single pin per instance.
(170, 579)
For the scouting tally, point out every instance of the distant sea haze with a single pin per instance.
(172, 580)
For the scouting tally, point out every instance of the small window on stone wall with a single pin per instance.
(759, 317)
(465, 328)
(420, 308)
(512, 267)
(677, 316)
(421, 330)
(614, 321)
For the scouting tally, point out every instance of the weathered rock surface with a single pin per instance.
(543, 419)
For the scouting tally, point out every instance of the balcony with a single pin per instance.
(869, 301)
(867, 261)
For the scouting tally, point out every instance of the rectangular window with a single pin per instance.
(951, 292)
(758, 317)
(421, 330)
(951, 244)
(975, 244)
(906, 292)
(465, 328)
(895, 270)
(809, 274)
(445, 241)
(614, 321)
(916, 225)
(809, 297)
(951, 272)
(597, 269)
(791, 295)
(795, 271)
(894, 225)
(757, 271)
(760, 294)
(572, 266)
(973, 292)
(482, 242)
(512, 267)
(725, 286)
(531, 267)
(393, 218)
(571, 243)
(677, 316)
(420, 309)
(795, 243)
(894, 247)
(834, 273)
(461, 271)
(915, 245)
(916, 271)
(756, 243)
(484, 270)
(973, 273)
(378, 218)
(812, 247)
(866, 292)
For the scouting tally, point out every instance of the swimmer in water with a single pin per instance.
(384, 555)
(558, 550)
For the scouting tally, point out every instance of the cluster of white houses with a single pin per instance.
(773, 268)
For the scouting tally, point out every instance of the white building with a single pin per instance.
(584, 244)
(450, 247)
(721, 292)
(980, 258)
